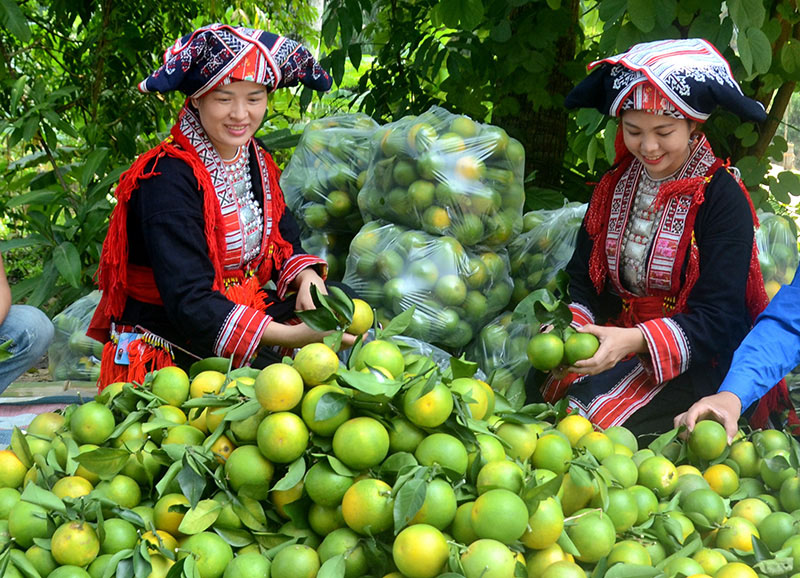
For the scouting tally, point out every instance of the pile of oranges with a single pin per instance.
(388, 466)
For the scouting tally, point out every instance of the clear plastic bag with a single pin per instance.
(544, 248)
(777, 251)
(500, 350)
(455, 290)
(447, 175)
(72, 354)
(322, 180)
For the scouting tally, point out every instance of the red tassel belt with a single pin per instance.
(641, 309)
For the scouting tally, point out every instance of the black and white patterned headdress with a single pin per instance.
(218, 53)
(690, 73)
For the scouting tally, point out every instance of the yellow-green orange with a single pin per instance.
(420, 551)
(445, 450)
(172, 385)
(487, 558)
(553, 452)
(249, 472)
(361, 443)
(212, 554)
(520, 439)
(325, 486)
(545, 351)
(363, 317)
(74, 543)
(439, 507)
(593, 534)
(495, 505)
(367, 506)
(658, 474)
(574, 426)
(282, 437)
(708, 439)
(206, 383)
(316, 363)
(91, 423)
(544, 524)
(431, 409)
(279, 387)
(381, 353)
(12, 470)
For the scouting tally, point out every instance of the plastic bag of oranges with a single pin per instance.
(544, 248)
(72, 354)
(447, 175)
(776, 239)
(455, 290)
(499, 350)
(322, 180)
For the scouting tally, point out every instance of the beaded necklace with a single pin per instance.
(250, 218)
(640, 229)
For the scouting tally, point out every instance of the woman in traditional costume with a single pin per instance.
(201, 225)
(665, 272)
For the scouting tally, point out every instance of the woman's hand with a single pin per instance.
(298, 335)
(616, 343)
(304, 281)
(724, 407)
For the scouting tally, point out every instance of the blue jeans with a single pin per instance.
(31, 332)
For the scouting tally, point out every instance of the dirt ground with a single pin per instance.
(38, 372)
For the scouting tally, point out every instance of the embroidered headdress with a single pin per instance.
(213, 55)
(684, 78)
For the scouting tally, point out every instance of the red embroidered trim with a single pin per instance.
(240, 334)
(293, 268)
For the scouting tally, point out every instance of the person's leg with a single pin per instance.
(31, 332)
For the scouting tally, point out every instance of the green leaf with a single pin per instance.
(612, 10)
(662, 441)
(398, 461)
(609, 136)
(747, 13)
(632, 571)
(13, 19)
(105, 462)
(460, 367)
(294, 474)
(68, 263)
(398, 324)
(354, 52)
(44, 498)
(554, 4)
(502, 31)
(247, 409)
(369, 383)
(665, 12)
(450, 12)
(408, 501)
(760, 48)
(250, 513)
(790, 57)
(192, 483)
(201, 517)
(642, 14)
(329, 405)
(319, 319)
(333, 567)
(471, 13)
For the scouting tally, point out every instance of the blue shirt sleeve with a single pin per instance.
(771, 350)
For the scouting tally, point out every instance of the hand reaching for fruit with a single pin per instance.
(613, 345)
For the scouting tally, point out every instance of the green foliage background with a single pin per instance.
(71, 119)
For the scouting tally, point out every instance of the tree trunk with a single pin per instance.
(543, 131)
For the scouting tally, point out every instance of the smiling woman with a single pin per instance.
(201, 225)
(664, 273)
